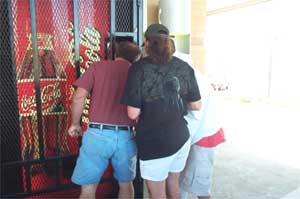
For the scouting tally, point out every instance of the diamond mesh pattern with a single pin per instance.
(56, 75)
(45, 154)
(9, 107)
(10, 139)
(124, 15)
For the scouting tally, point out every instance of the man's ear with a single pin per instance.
(145, 43)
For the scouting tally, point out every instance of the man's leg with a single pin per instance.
(124, 163)
(126, 190)
(173, 191)
(88, 191)
(156, 189)
(183, 194)
(197, 175)
(92, 161)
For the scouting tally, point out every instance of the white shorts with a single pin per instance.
(197, 175)
(158, 169)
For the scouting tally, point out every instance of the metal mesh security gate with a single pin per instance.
(45, 46)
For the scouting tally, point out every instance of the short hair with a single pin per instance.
(128, 50)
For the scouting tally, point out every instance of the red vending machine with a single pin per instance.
(45, 46)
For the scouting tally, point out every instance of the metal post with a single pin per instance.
(36, 72)
(76, 38)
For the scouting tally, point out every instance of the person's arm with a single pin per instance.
(193, 97)
(194, 106)
(132, 93)
(84, 85)
(77, 107)
(133, 112)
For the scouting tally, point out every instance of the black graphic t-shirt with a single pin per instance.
(162, 93)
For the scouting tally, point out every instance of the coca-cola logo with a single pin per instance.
(28, 103)
(50, 95)
(90, 39)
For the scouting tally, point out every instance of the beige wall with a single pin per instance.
(152, 11)
(197, 33)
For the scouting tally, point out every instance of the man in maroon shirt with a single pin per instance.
(109, 135)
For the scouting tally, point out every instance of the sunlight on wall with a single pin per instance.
(256, 49)
(286, 49)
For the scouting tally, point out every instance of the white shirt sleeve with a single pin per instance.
(206, 121)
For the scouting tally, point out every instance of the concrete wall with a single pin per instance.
(197, 33)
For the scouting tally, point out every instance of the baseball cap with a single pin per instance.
(156, 29)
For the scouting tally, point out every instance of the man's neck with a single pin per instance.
(121, 59)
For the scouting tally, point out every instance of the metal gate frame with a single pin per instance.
(8, 83)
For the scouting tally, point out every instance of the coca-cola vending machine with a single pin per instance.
(45, 46)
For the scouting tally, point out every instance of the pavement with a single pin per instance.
(260, 159)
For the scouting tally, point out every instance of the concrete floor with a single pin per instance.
(260, 159)
(239, 175)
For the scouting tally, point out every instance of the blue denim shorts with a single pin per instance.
(98, 147)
